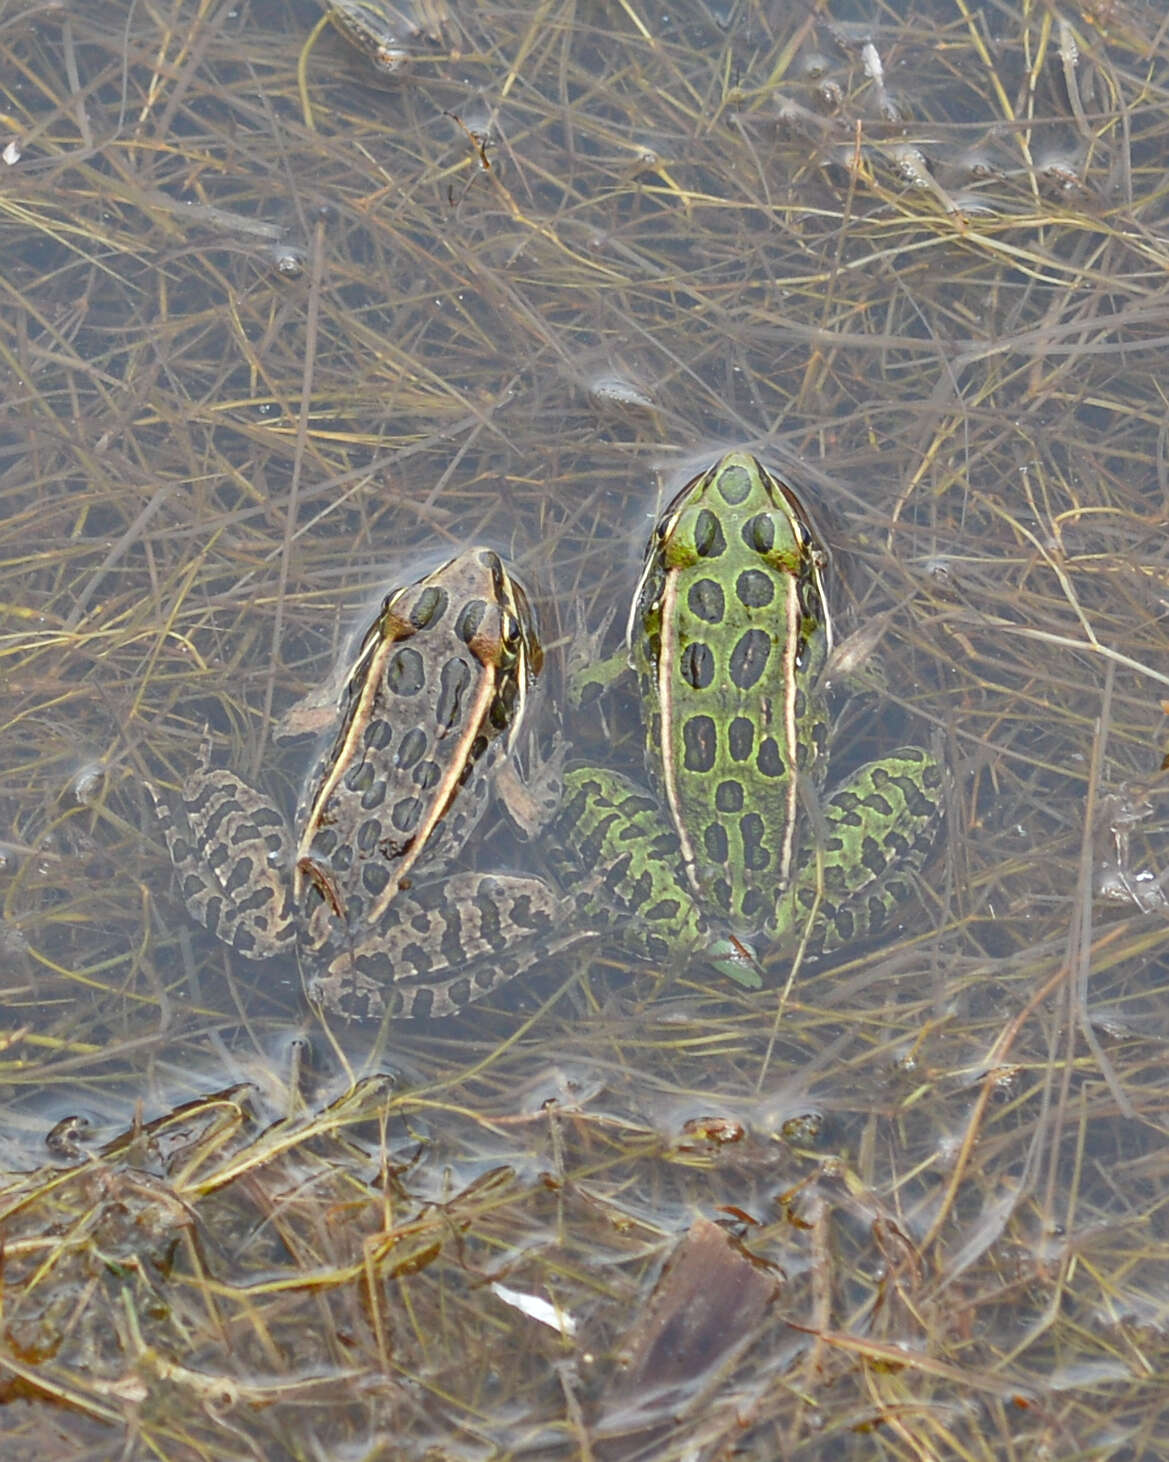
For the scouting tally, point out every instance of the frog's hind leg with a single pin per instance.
(878, 827)
(232, 852)
(443, 946)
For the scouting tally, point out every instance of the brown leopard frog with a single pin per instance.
(425, 726)
(391, 35)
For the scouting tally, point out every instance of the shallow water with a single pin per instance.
(276, 338)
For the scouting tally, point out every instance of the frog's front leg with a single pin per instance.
(589, 674)
(232, 852)
(877, 829)
(530, 799)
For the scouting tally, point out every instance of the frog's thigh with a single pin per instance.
(879, 825)
(233, 856)
(442, 946)
(879, 820)
(627, 872)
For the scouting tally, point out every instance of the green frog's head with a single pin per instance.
(739, 493)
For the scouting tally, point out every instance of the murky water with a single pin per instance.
(281, 331)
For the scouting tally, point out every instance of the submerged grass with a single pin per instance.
(277, 331)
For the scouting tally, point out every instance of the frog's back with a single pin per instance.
(434, 697)
(729, 636)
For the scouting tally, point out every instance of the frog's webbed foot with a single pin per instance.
(530, 799)
(347, 992)
(589, 673)
(855, 665)
(314, 713)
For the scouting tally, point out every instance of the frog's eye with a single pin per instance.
(512, 632)
(811, 600)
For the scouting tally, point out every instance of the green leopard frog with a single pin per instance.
(730, 635)
(424, 727)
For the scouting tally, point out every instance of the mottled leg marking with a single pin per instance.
(232, 852)
(880, 824)
(442, 946)
(623, 868)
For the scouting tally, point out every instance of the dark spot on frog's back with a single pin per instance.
(700, 742)
(733, 485)
(470, 621)
(378, 735)
(406, 813)
(707, 601)
(427, 775)
(753, 907)
(360, 778)
(729, 797)
(405, 672)
(758, 533)
(755, 854)
(429, 607)
(411, 748)
(696, 666)
(755, 589)
(709, 541)
(453, 684)
(769, 761)
(874, 856)
(741, 738)
(374, 877)
(749, 658)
